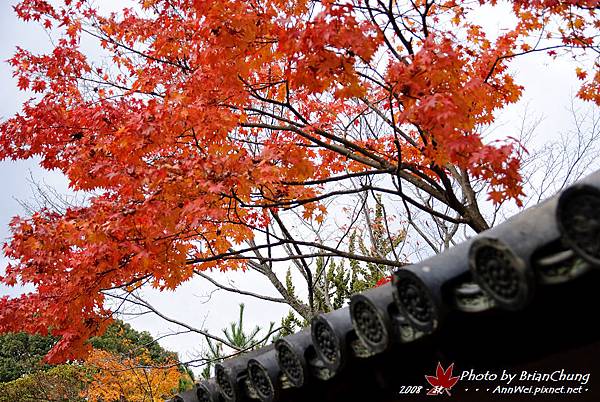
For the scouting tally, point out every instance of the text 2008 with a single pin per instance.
(410, 389)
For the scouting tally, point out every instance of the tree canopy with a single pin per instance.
(199, 128)
(124, 363)
(62, 383)
(120, 338)
(22, 353)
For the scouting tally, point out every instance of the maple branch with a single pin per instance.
(289, 257)
(423, 15)
(474, 219)
(143, 303)
(235, 290)
(412, 201)
(237, 255)
(385, 86)
(404, 136)
(351, 145)
(372, 160)
(339, 149)
(392, 19)
(110, 39)
(288, 204)
(155, 340)
(423, 235)
(333, 179)
(468, 192)
(508, 56)
(307, 271)
(206, 361)
(285, 105)
(265, 269)
(346, 233)
(389, 45)
(263, 112)
(130, 282)
(295, 203)
(121, 87)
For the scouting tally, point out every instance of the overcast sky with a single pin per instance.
(550, 85)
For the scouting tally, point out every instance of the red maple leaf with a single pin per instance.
(443, 380)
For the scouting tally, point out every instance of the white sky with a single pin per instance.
(550, 85)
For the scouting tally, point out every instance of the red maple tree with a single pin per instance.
(202, 121)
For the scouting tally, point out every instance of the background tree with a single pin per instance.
(115, 378)
(134, 350)
(120, 338)
(62, 383)
(22, 353)
(228, 135)
(124, 363)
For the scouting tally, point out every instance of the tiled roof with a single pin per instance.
(520, 282)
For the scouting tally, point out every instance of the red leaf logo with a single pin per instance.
(443, 380)
(383, 281)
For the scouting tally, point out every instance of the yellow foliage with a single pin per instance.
(117, 378)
